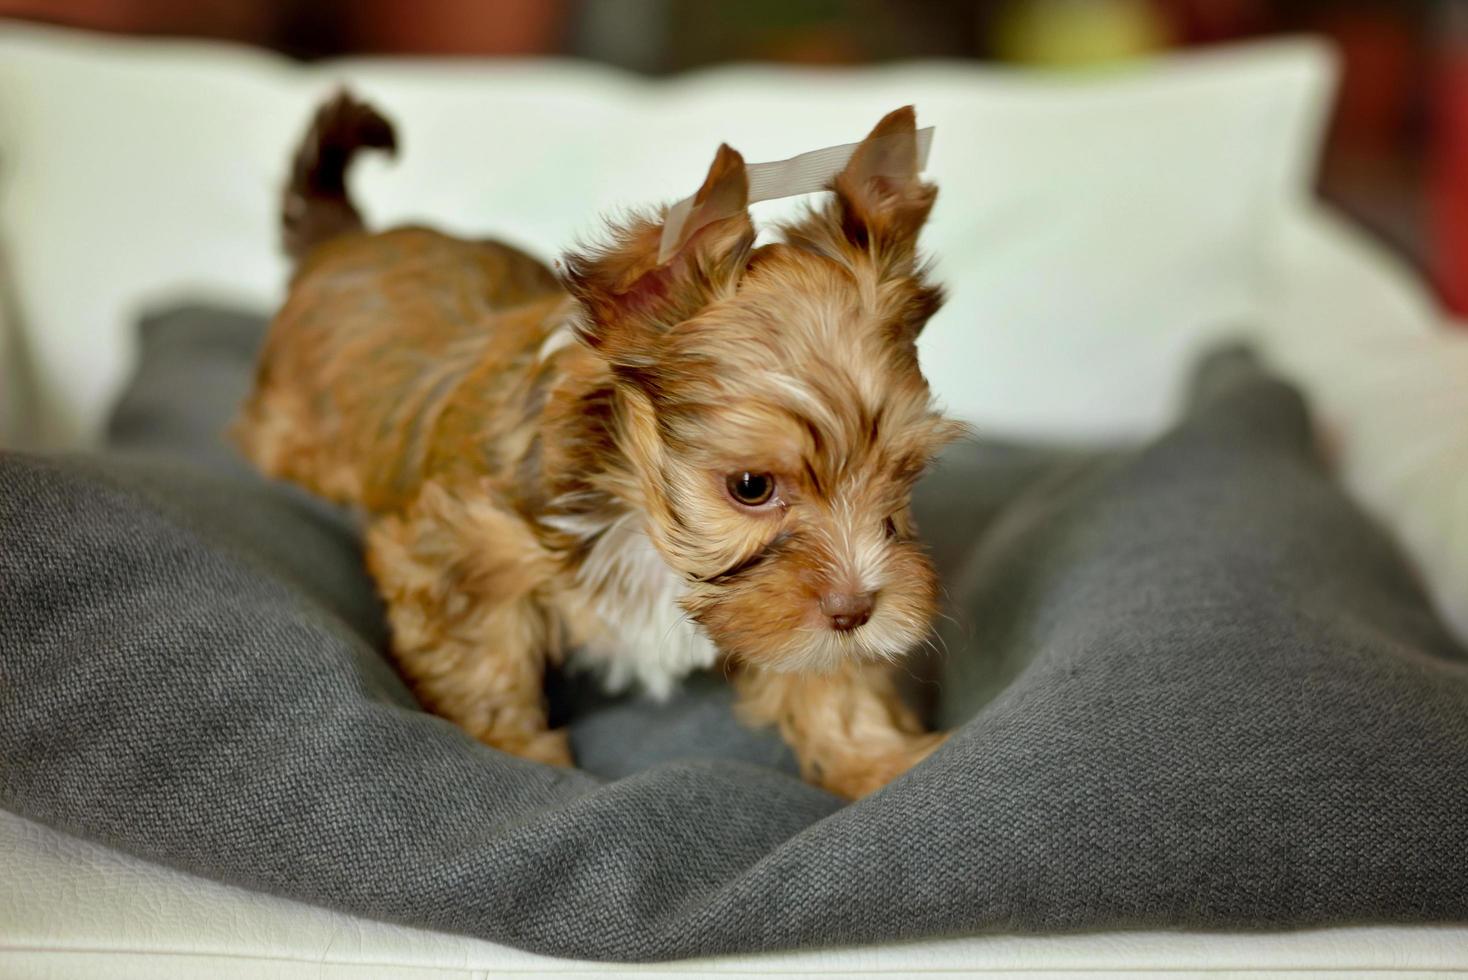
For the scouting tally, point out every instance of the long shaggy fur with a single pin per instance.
(544, 462)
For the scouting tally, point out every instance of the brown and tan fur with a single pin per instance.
(545, 462)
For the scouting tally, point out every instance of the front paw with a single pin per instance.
(859, 773)
(551, 747)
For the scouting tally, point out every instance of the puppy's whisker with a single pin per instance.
(681, 621)
(932, 643)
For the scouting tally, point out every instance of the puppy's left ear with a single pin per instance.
(880, 203)
(637, 286)
(884, 203)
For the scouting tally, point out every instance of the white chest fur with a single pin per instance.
(643, 636)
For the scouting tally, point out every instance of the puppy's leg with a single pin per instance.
(459, 575)
(850, 730)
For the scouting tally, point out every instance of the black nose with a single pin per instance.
(847, 610)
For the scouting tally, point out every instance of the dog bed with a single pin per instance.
(1193, 687)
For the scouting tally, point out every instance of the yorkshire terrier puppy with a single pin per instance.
(649, 464)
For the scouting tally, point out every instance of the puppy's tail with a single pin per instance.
(317, 207)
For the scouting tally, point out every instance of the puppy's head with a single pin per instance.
(770, 405)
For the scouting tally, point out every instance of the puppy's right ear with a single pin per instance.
(631, 294)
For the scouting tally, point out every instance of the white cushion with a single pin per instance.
(1092, 230)
(1389, 379)
(75, 909)
(14, 395)
(1404, 408)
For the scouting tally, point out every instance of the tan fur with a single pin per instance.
(851, 731)
(502, 429)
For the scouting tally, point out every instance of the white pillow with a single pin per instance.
(1094, 229)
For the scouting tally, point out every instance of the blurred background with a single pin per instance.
(1398, 152)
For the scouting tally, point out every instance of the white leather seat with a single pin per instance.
(71, 908)
(74, 909)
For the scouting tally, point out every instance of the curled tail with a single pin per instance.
(317, 207)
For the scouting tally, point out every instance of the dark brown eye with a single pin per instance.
(751, 489)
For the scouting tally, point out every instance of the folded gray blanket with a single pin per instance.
(1194, 687)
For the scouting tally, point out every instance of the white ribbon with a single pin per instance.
(804, 174)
